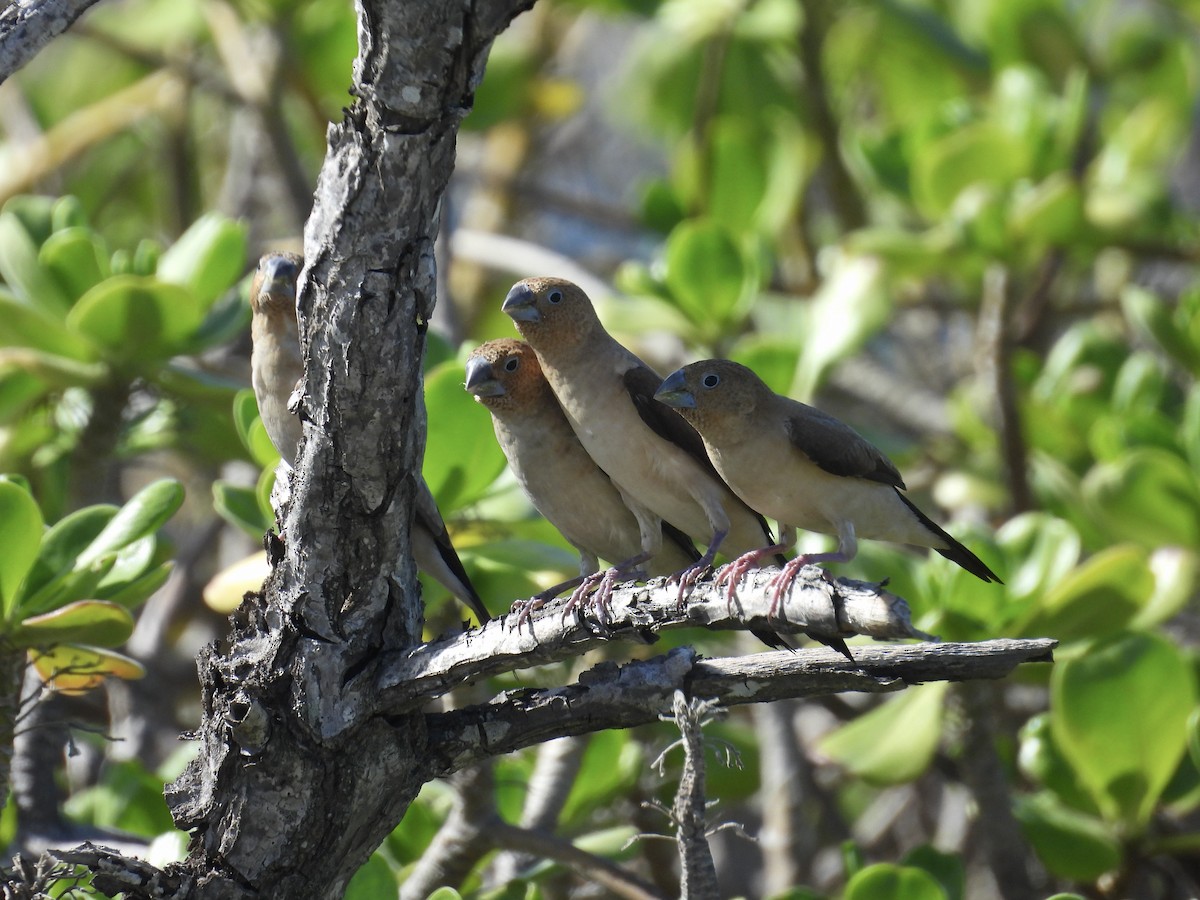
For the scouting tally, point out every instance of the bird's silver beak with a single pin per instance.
(481, 380)
(674, 392)
(280, 275)
(521, 304)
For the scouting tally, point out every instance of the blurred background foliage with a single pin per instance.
(969, 229)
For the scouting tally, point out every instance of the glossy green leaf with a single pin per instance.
(1106, 702)
(373, 880)
(611, 764)
(1040, 760)
(136, 319)
(462, 458)
(132, 594)
(20, 536)
(1149, 496)
(77, 259)
(78, 668)
(1041, 549)
(144, 513)
(67, 212)
(130, 562)
(207, 259)
(895, 741)
(947, 868)
(74, 584)
(851, 305)
(981, 153)
(97, 622)
(1048, 213)
(35, 213)
(1175, 572)
(1072, 844)
(885, 881)
(1099, 597)
(1152, 317)
(707, 273)
(26, 278)
(239, 506)
(22, 325)
(64, 541)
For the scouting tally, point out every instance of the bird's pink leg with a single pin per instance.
(687, 577)
(735, 570)
(596, 589)
(782, 583)
(524, 609)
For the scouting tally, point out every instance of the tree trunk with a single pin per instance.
(297, 781)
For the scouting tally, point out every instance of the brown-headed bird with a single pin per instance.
(276, 366)
(655, 458)
(560, 479)
(802, 467)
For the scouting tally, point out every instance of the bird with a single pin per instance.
(276, 365)
(802, 467)
(564, 484)
(652, 455)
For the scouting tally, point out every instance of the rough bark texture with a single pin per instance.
(29, 25)
(298, 780)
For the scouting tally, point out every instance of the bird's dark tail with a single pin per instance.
(955, 552)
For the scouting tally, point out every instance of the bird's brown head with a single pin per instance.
(551, 312)
(713, 393)
(504, 375)
(273, 289)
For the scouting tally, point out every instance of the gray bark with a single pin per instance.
(298, 780)
(27, 26)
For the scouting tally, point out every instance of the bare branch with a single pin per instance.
(29, 25)
(815, 604)
(639, 692)
(699, 873)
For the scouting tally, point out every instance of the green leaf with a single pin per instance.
(1149, 496)
(20, 536)
(77, 259)
(22, 272)
(97, 622)
(74, 584)
(1105, 703)
(947, 868)
(22, 325)
(239, 506)
(1072, 844)
(133, 594)
(64, 541)
(885, 881)
(895, 741)
(207, 259)
(850, 306)
(1153, 318)
(980, 153)
(707, 273)
(611, 764)
(1040, 549)
(462, 458)
(142, 515)
(136, 319)
(1048, 213)
(1097, 598)
(373, 880)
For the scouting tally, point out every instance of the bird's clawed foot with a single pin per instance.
(687, 578)
(594, 592)
(782, 583)
(732, 573)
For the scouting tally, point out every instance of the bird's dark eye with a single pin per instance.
(510, 364)
(554, 296)
(710, 380)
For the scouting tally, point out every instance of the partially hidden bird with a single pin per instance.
(802, 467)
(276, 366)
(652, 455)
(564, 484)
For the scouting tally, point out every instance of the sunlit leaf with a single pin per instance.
(1072, 844)
(20, 536)
(97, 622)
(26, 278)
(462, 458)
(884, 881)
(144, 513)
(1106, 702)
(77, 258)
(895, 741)
(225, 590)
(207, 259)
(136, 319)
